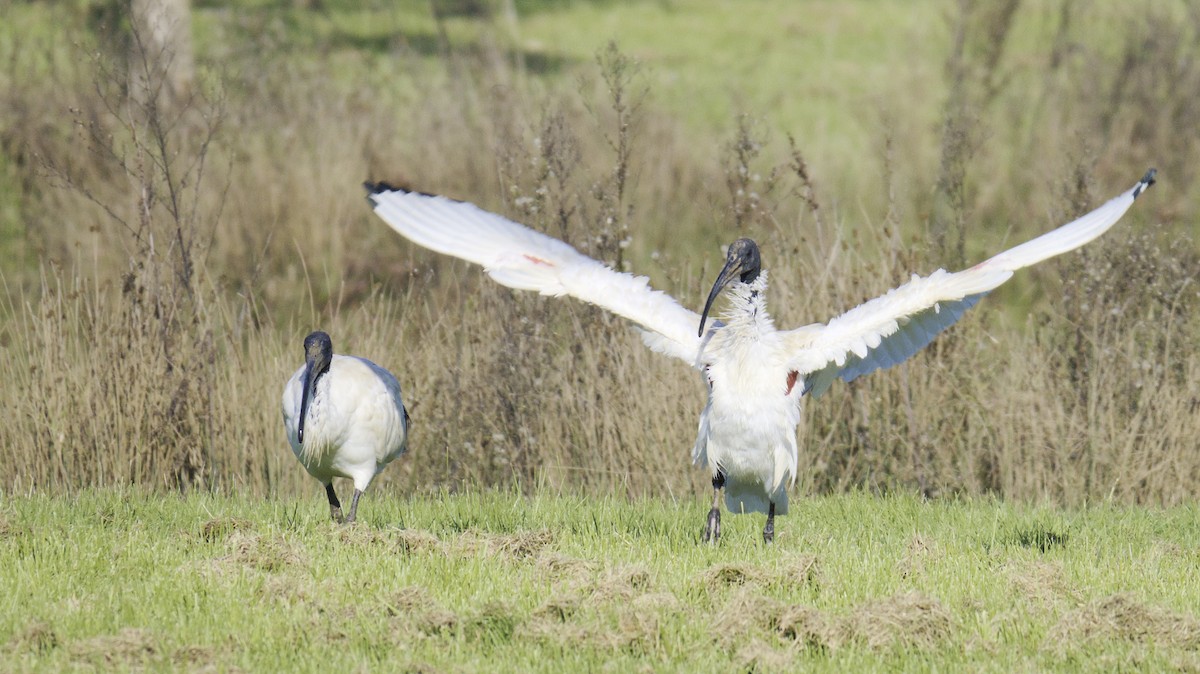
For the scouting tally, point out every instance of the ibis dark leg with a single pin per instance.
(769, 530)
(354, 506)
(712, 531)
(335, 506)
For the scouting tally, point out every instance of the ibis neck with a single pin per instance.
(747, 308)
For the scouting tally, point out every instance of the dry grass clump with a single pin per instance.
(130, 647)
(415, 613)
(908, 620)
(919, 549)
(221, 527)
(747, 611)
(194, 658)
(290, 590)
(1122, 616)
(416, 540)
(417, 610)
(804, 625)
(725, 575)
(560, 566)
(620, 583)
(261, 552)
(803, 569)
(37, 637)
(637, 625)
(494, 622)
(520, 546)
(799, 570)
(10, 530)
(408, 541)
(1042, 582)
(615, 609)
(759, 656)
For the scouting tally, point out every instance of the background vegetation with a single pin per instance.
(163, 255)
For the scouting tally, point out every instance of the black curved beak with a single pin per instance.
(310, 391)
(731, 270)
(318, 354)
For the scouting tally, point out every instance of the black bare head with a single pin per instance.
(318, 347)
(318, 354)
(742, 263)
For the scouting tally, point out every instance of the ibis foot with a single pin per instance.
(769, 529)
(712, 531)
(354, 507)
(335, 506)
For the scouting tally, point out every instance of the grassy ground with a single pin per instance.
(497, 581)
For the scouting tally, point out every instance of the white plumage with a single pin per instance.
(344, 417)
(755, 373)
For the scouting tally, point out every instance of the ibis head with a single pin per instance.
(318, 352)
(743, 263)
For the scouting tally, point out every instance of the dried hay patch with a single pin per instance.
(422, 612)
(38, 637)
(415, 540)
(193, 658)
(624, 582)
(560, 566)
(656, 601)
(1121, 616)
(220, 527)
(519, 546)
(289, 590)
(726, 575)
(1186, 662)
(128, 647)
(409, 599)
(559, 608)
(495, 622)
(420, 668)
(1043, 582)
(631, 627)
(405, 541)
(910, 620)
(806, 625)
(261, 552)
(10, 530)
(918, 550)
(627, 584)
(637, 628)
(357, 535)
(745, 612)
(758, 656)
(801, 570)
(566, 634)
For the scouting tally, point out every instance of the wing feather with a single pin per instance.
(888, 330)
(521, 258)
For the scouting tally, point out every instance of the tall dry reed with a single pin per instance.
(162, 364)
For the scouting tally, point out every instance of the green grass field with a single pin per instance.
(503, 582)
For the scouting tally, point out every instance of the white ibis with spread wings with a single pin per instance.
(756, 374)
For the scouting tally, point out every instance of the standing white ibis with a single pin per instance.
(344, 418)
(756, 374)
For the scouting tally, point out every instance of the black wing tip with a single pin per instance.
(1146, 181)
(375, 188)
(382, 186)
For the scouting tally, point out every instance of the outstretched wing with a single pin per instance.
(889, 329)
(519, 257)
